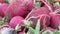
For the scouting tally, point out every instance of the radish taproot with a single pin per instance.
(19, 7)
(3, 7)
(15, 21)
(43, 13)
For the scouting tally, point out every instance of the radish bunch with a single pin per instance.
(19, 7)
(29, 17)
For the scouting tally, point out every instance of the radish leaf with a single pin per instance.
(37, 30)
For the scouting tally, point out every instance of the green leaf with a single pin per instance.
(27, 23)
(31, 30)
(56, 4)
(56, 32)
(37, 29)
(28, 32)
(1, 23)
(18, 28)
(47, 31)
(6, 1)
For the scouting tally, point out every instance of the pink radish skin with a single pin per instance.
(1, 1)
(15, 21)
(30, 5)
(19, 7)
(55, 20)
(3, 8)
(38, 12)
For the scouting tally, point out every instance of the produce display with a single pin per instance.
(29, 16)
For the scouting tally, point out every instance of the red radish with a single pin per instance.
(1, 1)
(55, 20)
(19, 7)
(35, 13)
(30, 5)
(39, 11)
(3, 8)
(15, 21)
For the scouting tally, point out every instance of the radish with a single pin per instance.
(21, 33)
(42, 14)
(1, 1)
(55, 20)
(37, 12)
(30, 5)
(19, 7)
(3, 7)
(15, 21)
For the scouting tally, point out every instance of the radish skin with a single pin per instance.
(3, 7)
(19, 7)
(15, 21)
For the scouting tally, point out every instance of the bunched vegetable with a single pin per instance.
(42, 14)
(19, 7)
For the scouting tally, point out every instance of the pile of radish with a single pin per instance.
(29, 16)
